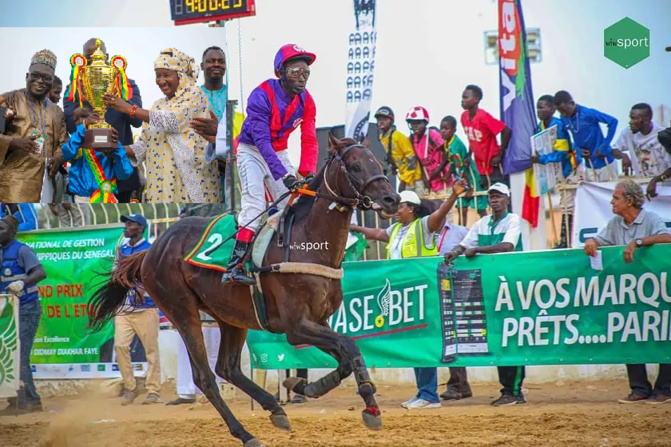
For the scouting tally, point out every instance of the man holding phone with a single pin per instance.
(32, 140)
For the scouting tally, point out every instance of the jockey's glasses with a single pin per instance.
(296, 72)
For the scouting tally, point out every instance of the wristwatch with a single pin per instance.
(639, 242)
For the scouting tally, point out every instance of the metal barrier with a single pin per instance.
(160, 215)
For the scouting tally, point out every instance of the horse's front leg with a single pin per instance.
(350, 360)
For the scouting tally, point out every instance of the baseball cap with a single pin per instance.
(500, 187)
(137, 218)
(410, 197)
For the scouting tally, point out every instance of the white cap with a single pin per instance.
(500, 187)
(410, 197)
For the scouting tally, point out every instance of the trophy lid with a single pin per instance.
(98, 57)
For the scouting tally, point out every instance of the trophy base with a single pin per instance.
(98, 139)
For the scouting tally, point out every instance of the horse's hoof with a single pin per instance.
(372, 418)
(281, 421)
(254, 443)
(290, 382)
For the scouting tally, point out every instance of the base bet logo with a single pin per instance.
(386, 309)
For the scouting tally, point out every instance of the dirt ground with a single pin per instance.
(580, 413)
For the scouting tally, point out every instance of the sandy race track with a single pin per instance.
(580, 413)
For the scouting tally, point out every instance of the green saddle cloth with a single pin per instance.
(211, 252)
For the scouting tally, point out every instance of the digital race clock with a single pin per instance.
(193, 11)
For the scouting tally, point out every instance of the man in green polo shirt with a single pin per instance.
(498, 233)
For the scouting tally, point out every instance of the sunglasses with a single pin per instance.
(46, 78)
(296, 72)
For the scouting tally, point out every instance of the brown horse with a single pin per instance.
(297, 304)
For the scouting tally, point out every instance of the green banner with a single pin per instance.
(534, 308)
(9, 346)
(72, 260)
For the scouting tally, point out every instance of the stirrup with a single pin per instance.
(237, 276)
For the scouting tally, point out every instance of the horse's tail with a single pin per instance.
(106, 301)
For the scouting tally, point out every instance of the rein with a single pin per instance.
(360, 200)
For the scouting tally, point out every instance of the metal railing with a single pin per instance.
(160, 215)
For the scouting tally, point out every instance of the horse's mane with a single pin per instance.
(303, 205)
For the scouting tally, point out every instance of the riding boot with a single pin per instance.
(234, 272)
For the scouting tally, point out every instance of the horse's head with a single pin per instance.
(359, 177)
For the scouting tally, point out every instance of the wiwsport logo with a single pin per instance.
(626, 43)
(387, 311)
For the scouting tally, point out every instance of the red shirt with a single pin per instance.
(482, 132)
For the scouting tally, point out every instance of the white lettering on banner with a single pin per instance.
(420, 289)
(406, 306)
(504, 296)
(588, 292)
(641, 326)
(367, 325)
(535, 331)
(355, 314)
(592, 289)
(67, 255)
(545, 330)
(395, 307)
(508, 84)
(654, 326)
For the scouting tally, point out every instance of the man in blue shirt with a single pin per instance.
(21, 271)
(583, 124)
(120, 122)
(24, 213)
(214, 72)
(109, 166)
(139, 315)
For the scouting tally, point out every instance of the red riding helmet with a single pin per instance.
(291, 51)
(417, 113)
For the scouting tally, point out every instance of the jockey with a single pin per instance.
(274, 109)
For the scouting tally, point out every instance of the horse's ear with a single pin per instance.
(334, 143)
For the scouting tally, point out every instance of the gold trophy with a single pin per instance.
(93, 81)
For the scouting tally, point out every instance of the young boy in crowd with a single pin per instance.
(400, 153)
(457, 156)
(482, 129)
(563, 153)
(428, 146)
(93, 174)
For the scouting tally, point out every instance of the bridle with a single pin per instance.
(360, 200)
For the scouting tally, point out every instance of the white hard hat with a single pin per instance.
(410, 197)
